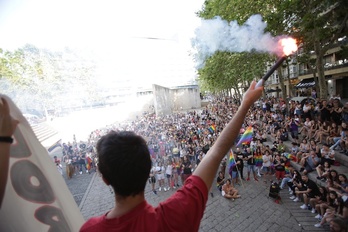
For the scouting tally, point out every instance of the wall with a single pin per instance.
(168, 100)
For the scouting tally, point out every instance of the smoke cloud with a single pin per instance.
(220, 35)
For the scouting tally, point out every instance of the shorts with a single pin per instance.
(152, 179)
(168, 176)
(310, 195)
(280, 174)
(234, 175)
(309, 169)
(160, 176)
(266, 169)
(251, 168)
(294, 134)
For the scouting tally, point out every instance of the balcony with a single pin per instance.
(330, 68)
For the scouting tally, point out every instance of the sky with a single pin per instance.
(117, 32)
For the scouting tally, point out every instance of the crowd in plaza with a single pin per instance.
(178, 142)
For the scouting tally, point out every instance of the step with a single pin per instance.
(341, 158)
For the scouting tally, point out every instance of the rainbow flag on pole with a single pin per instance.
(212, 128)
(232, 161)
(246, 137)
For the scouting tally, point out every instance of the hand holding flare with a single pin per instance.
(289, 46)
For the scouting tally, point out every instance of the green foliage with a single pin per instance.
(41, 79)
(316, 24)
(225, 70)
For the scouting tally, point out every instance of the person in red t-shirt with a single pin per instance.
(119, 152)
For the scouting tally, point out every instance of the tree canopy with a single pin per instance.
(316, 24)
(41, 79)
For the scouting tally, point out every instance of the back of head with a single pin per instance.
(124, 162)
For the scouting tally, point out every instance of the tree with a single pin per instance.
(318, 24)
(41, 79)
(241, 11)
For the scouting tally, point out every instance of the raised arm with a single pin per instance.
(207, 169)
(7, 128)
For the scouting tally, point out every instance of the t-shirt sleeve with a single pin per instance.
(184, 210)
(91, 224)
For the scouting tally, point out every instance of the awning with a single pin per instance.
(305, 83)
(273, 90)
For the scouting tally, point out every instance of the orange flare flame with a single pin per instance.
(289, 46)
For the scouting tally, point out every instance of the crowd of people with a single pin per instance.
(178, 142)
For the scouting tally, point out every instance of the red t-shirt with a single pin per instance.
(183, 211)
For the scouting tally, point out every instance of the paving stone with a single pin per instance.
(255, 211)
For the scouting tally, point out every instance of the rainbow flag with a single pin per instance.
(89, 162)
(290, 156)
(258, 159)
(246, 137)
(212, 128)
(232, 161)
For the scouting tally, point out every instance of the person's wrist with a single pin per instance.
(6, 139)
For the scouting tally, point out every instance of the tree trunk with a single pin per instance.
(320, 70)
(281, 82)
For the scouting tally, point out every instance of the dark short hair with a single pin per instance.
(124, 162)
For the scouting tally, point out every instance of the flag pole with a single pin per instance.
(240, 178)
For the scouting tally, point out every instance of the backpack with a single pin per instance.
(274, 191)
(284, 136)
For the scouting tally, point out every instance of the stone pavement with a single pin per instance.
(78, 184)
(255, 211)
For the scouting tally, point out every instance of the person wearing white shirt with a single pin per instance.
(267, 161)
(327, 154)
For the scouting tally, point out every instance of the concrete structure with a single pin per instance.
(168, 100)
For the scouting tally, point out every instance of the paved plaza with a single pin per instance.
(255, 211)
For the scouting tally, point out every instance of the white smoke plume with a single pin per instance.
(220, 35)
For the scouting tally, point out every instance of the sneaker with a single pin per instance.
(318, 225)
(318, 216)
(313, 211)
(292, 197)
(296, 199)
(160, 189)
(291, 192)
(248, 179)
(304, 206)
(259, 174)
(174, 187)
(154, 191)
(80, 173)
(168, 188)
(165, 189)
(86, 171)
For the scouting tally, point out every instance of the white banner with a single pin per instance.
(36, 197)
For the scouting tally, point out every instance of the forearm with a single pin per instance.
(4, 164)
(209, 165)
